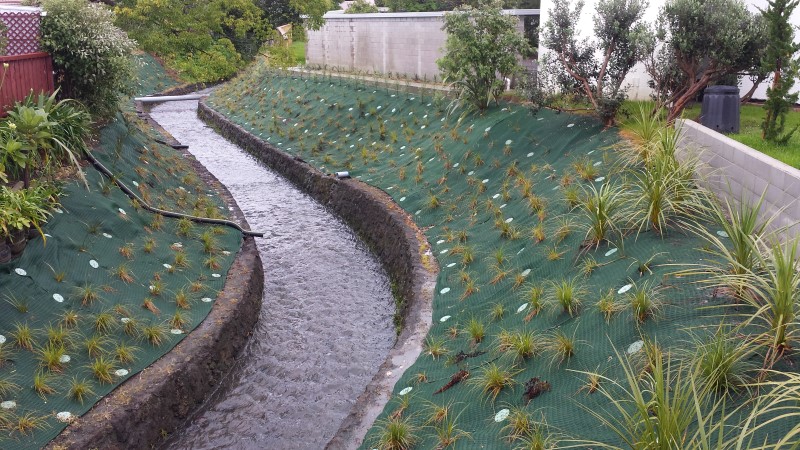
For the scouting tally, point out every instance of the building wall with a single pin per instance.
(637, 78)
(399, 43)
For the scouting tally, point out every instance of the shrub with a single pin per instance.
(481, 43)
(91, 56)
(361, 7)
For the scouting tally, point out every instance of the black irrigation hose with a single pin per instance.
(99, 166)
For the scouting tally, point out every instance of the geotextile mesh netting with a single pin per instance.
(463, 182)
(110, 282)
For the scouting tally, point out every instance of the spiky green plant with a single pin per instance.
(492, 379)
(664, 190)
(663, 408)
(561, 346)
(645, 300)
(103, 369)
(22, 336)
(476, 330)
(435, 347)
(567, 294)
(722, 360)
(605, 212)
(397, 433)
(80, 389)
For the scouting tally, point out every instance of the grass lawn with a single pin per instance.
(299, 52)
(750, 133)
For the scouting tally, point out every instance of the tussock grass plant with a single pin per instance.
(103, 369)
(29, 422)
(7, 386)
(448, 433)
(95, 345)
(774, 294)
(736, 254)
(22, 336)
(567, 294)
(80, 389)
(154, 333)
(534, 296)
(497, 312)
(475, 330)
(609, 306)
(722, 360)
(42, 384)
(50, 356)
(561, 346)
(645, 300)
(524, 344)
(435, 347)
(664, 190)
(125, 353)
(492, 379)
(396, 433)
(520, 423)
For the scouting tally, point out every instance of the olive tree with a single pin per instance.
(481, 50)
(705, 40)
(598, 67)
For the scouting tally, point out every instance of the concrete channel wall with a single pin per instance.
(735, 171)
(404, 44)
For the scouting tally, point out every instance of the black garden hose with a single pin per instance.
(99, 166)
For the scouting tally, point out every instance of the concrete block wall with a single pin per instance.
(735, 171)
(406, 44)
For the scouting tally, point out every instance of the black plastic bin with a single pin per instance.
(720, 110)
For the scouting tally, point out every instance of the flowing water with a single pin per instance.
(326, 320)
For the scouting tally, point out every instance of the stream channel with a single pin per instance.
(326, 320)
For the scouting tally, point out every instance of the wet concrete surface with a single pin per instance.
(326, 321)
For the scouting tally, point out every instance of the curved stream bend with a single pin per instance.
(326, 322)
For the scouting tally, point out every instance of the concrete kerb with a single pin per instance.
(160, 398)
(393, 237)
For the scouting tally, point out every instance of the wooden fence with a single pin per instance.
(23, 73)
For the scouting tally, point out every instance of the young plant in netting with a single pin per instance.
(606, 210)
(621, 40)
(734, 247)
(481, 43)
(722, 360)
(666, 407)
(774, 295)
(492, 379)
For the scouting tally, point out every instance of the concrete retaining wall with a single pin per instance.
(399, 43)
(389, 232)
(735, 171)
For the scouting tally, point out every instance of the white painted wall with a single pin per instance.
(637, 78)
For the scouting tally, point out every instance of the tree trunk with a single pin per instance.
(746, 98)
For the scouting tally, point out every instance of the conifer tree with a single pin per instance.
(780, 60)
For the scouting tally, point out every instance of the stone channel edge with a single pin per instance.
(391, 235)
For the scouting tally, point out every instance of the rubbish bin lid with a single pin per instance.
(722, 90)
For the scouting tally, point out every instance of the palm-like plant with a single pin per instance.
(605, 209)
(665, 408)
(722, 360)
(774, 292)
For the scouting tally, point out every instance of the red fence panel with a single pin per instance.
(21, 31)
(33, 71)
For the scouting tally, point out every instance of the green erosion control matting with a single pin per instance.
(151, 75)
(464, 180)
(82, 295)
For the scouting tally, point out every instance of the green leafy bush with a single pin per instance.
(361, 7)
(482, 43)
(91, 56)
